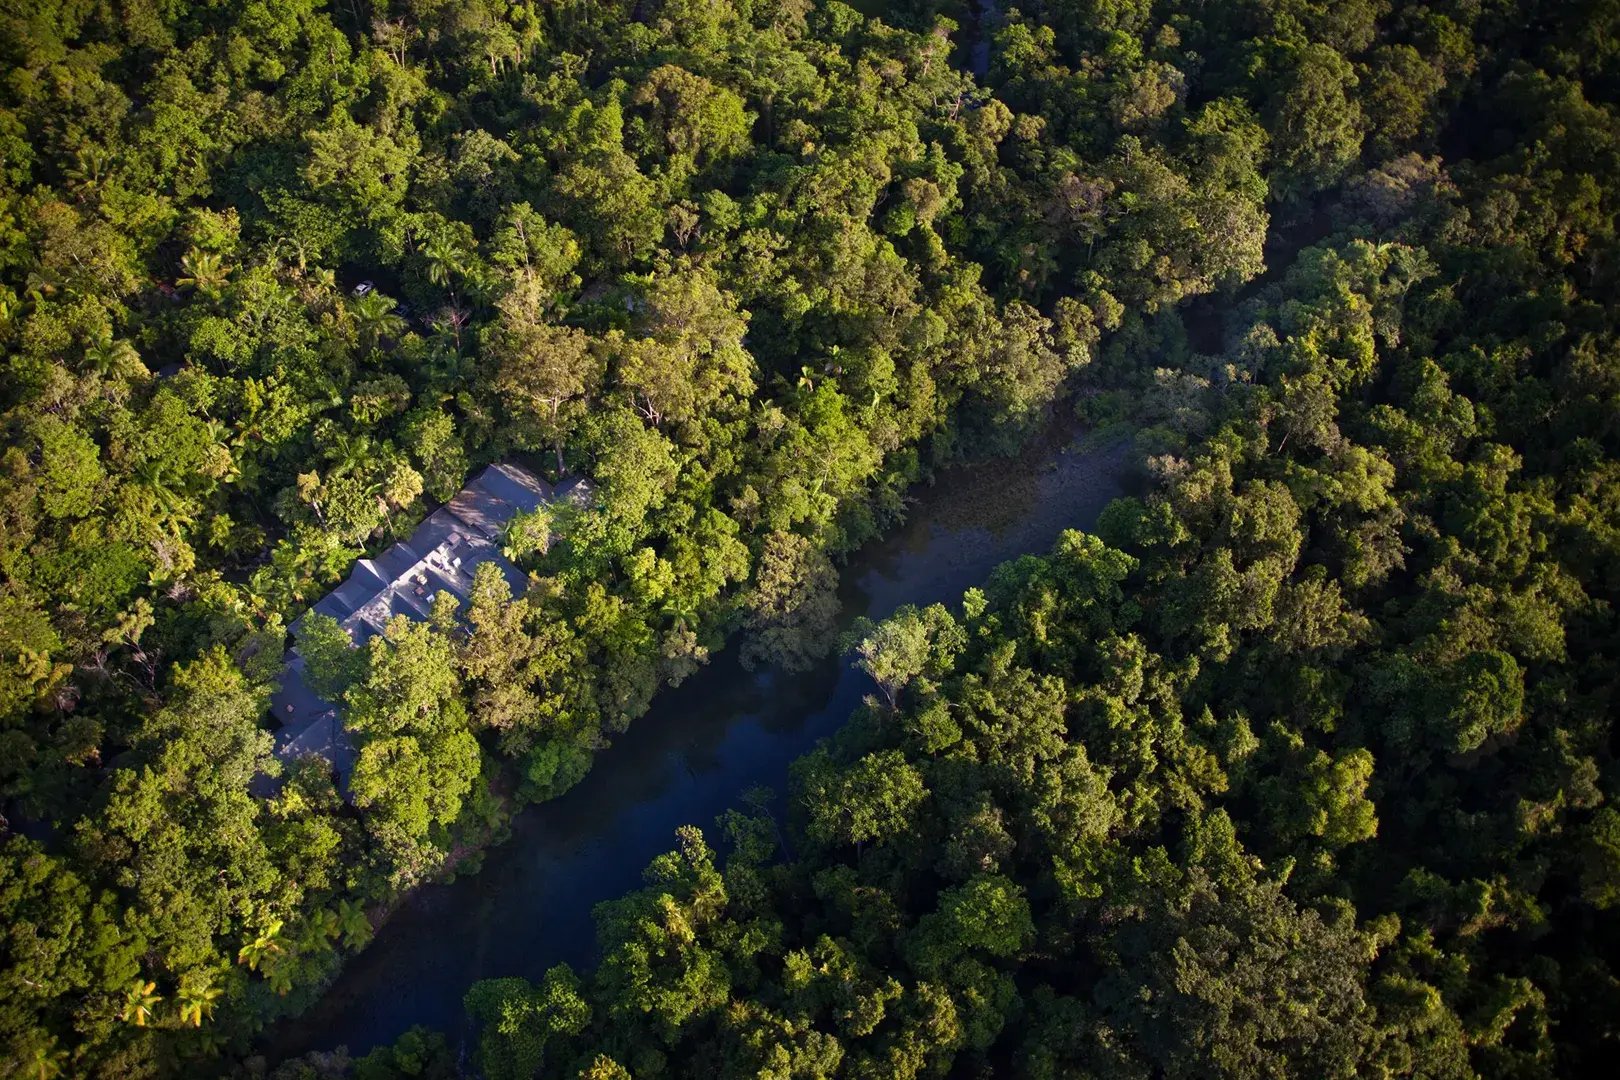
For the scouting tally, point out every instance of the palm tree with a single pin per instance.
(319, 929)
(204, 271)
(279, 975)
(171, 509)
(110, 356)
(139, 1001)
(263, 947)
(374, 319)
(90, 167)
(682, 612)
(296, 247)
(47, 1062)
(197, 997)
(353, 924)
(349, 453)
(224, 450)
(154, 474)
(443, 262)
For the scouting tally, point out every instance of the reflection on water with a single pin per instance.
(688, 760)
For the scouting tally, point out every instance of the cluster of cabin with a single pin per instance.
(440, 556)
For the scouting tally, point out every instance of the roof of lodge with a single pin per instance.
(441, 555)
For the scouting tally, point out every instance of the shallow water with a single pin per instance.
(688, 760)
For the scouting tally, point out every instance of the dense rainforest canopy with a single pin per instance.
(1303, 765)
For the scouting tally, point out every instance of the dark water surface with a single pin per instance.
(688, 760)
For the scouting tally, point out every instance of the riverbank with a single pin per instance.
(688, 760)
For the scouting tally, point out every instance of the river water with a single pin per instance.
(980, 28)
(689, 759)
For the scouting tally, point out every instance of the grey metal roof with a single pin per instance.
(324, 736)
(294, 698)
(308, 725)
(577, 491)
(484, 513)
(394, 562)
(441, 555)
(362, 584)
(440, 530)
(514, 486)
(514, 577)
(362, 629)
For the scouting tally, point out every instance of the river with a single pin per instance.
(689, 759)
(981, 25)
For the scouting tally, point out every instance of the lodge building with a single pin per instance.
(441, 555)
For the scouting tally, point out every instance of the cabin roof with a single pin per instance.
(441, 555)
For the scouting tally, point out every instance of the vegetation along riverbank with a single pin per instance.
(1299, 762)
